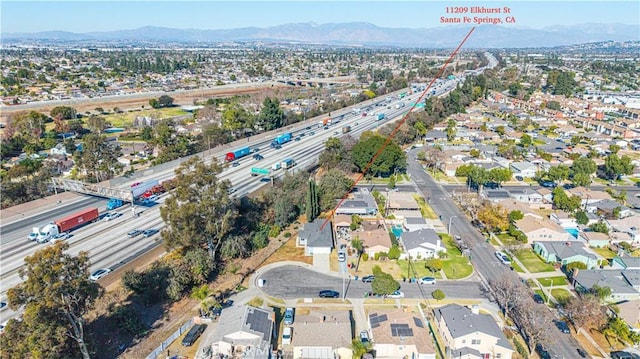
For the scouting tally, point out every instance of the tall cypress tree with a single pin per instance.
(313, 203)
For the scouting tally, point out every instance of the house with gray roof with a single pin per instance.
(322, 334)
(244, 329)
(606, 208)
(435, 136)
(495, 195)
(361, 203)
(421, 244)
(565, 253)
(316, 237)
(468, 334)
(625, 284)
(625, 262)
(411, 224)
(523, 169)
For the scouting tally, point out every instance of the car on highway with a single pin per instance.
(3, 305)
(258, 157)
(99, 273)
(111, 215)
(231, 190)
(256, 149)
(342, 257)
(134, 233)
(396, 294)
(297, 138)
(368, 279)
(327, 293)
(61, 237)
(277, 147)
(503, 258)
(311, 133)
(235, 164)
(149, 232)
(427, 280)
(288, 316)
(32, 236)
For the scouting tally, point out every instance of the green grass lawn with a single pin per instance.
(517, 267)
(126, 119)
(418, 269)
(553, 281)
(561, 295)
(532, 262)
(542, 294)
(425, 209)
(507, 239)
(605, 252)
(455, 266)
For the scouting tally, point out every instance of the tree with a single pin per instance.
(526, 140)
(615, 166)
(63, 112)
(165, 101)
(358, 348)
(494, 218)
(203, 295)
(564, 202)
(533, 322)
(508, 291)
(390, 156)
(271, 115)
(438, 294)
(600, 227)
(601, 292)
(499, 175)
(313, 201)
(333, 185)
(358, 245)
(581, 171)
(581, 218)
(154, 103)
(515, 216)
(585, 311)
(433, 264)
(394, 252)
(451, 130)
(558, 173)
(199, 210)
(97, 123)
(146, 134)
(334, 155)
(384, 284)
(98, 158)
(56, 294)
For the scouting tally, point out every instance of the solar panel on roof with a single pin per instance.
(382, 318)
(375, 325)
(418, 322)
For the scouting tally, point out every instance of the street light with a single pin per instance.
(451, 218)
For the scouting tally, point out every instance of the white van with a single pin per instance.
(286, 336)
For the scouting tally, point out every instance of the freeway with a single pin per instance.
(107, 242)
(482, 254)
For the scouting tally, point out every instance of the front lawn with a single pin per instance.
(553, 281)
(425, 209)
(456, 266)
(507, 239)
(606, 253)
(532, 262)
(418, 269)
(561, 295)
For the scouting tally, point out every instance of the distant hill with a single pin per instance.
(363, 34)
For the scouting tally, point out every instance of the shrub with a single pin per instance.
(287, 234)
(274, 231)
(394, 252)
(438, 294)
(524, 353)
(365, 257)
(376, 256)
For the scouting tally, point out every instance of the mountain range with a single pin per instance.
(361, 34)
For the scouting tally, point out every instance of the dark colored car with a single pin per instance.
(236, 164)
(368, 279)
(543, 353)
(258, 157)
(538, 298)
(328, 294)
(563, 326)
(582, 353)
(193, 334)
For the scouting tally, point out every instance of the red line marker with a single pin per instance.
(395, 130)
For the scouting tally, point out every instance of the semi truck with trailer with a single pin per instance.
(281, 139)
(237, 154)
(114, 203)
(346, 129)
(143, 187)
(288, 163)
(51, 230)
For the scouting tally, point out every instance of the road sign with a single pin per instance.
(259, 171)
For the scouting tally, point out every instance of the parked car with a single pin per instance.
(342, 257)
(582, 353)
(427, 280)
(396, 294)
(364, 337)
(563, 326)
(503, 258)
(99, 273)
(286, 336)
(327, 293)
(538, 298)
(133, 233)
(193, 334)
(288, 316)
(149, 232)
(368, 279)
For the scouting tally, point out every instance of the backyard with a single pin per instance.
(532, 262)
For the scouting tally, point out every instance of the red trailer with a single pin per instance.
(77, 220)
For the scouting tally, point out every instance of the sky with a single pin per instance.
(89, 16)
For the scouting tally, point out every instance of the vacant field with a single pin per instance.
(387, 266)
(532, 262)
(125, 119)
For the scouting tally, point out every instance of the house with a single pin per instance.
(523, 169)
(60, 150)
(316, 237)
(527, 196)
(624, 284)
(400, 214)
(541, 230)
(421, 244)
(322, 334)
(625, 262)
(595, 239)
(244, 329)
(587, 195)
(374, 237)
(361, 203)
(411, 224)
(400, 334)
(468, 334)
(496, 195)
(547, 194)
(435, 136)
(629, 311)
(563, 219)
(510, 205)
(402, 201)
(608, 207)
(565, 253)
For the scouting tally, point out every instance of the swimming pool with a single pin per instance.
(572, 231)
(397, 230)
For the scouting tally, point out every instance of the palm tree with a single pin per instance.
(202, 294)
(359, 348)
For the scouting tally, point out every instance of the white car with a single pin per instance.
(503, 258)
(61, 237)
(427, 280)
(342, 257)
(99, 273)
(111, 215)
(396, 294)
(286, 336)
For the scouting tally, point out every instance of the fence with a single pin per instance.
(158, 351)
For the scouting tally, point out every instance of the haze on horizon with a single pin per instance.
(95, 16)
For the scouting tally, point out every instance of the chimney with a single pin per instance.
(475, 309)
